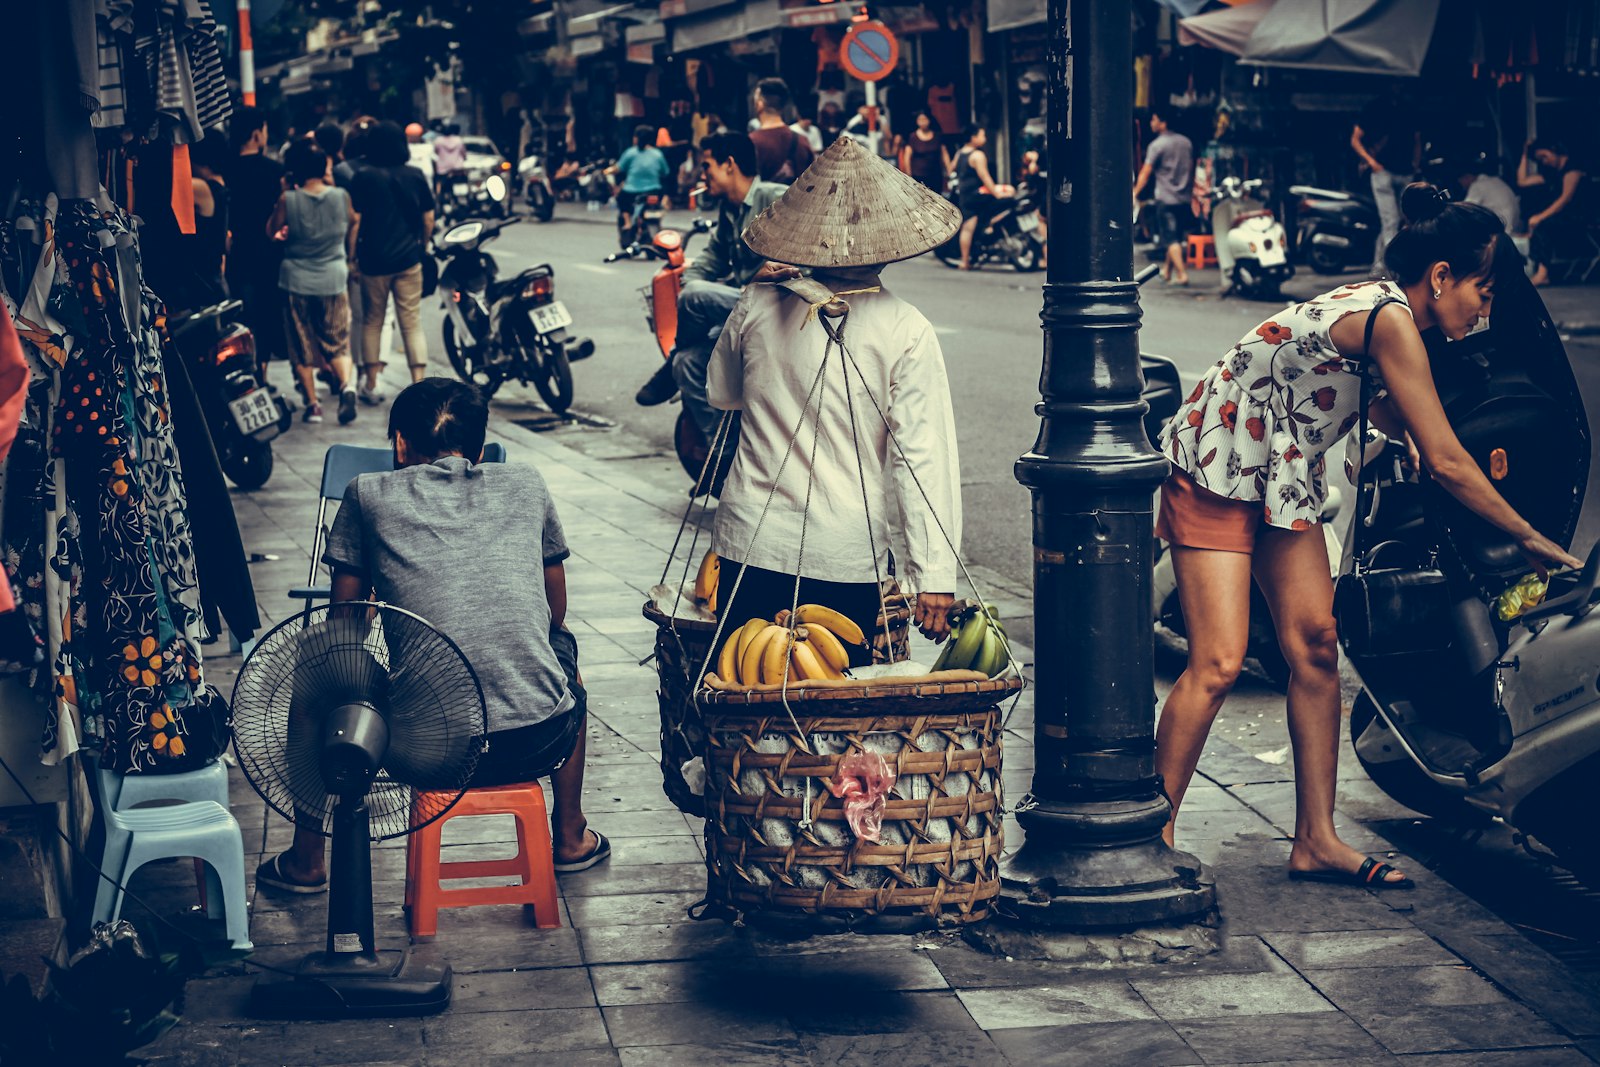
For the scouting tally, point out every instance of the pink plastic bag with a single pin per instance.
(863, 782)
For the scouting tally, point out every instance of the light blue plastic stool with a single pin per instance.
(210, 782)
(200, 828)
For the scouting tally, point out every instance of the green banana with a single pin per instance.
(991, 652)
(969, 643)
(945, 654)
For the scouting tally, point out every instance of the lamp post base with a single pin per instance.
(1098, 865)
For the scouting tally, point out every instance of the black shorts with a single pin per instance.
(531, 752)
(764, 593)
(1176, 222)
(983, 208)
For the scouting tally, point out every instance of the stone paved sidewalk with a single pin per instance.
(1309, 973)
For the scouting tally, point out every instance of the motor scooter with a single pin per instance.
(242, 411)
(1011, 235)
(534, 178)
(1474, 706)
(1336, 232)
(1252, 248)
(671, 249)
(498, 330)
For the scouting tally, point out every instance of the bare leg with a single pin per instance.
(305, 861)
(968, 228)
(1215, 590)
(308, 380)
(573, 839)
(344, 368)
(1175, 263)
(1292, 568)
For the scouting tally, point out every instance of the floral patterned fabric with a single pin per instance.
(112, 558)
(1260, 422)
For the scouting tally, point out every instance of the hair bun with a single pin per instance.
(1423, 201)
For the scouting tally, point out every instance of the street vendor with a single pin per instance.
(817, 499)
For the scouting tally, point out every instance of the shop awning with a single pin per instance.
(731, 24)
(1356, 36)
(1009, 14)
(1353, 36)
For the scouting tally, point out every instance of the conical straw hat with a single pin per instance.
(851, 209)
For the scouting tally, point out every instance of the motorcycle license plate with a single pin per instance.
(461, 188)
(253, 411)
(1029, 222)
(547, 318)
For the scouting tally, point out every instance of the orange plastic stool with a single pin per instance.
(533, 864)
(1202, 250)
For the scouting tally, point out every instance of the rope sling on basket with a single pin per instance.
(784, 761)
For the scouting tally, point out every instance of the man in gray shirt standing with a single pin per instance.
(477, 550)
(1170, 160)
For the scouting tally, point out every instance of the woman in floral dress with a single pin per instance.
(1248, 483)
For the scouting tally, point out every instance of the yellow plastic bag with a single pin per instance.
(1527, 593)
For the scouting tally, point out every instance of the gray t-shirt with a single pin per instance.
(452, 541)
(314, 254)
(1171, 157)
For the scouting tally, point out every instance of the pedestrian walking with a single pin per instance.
(1170, 161)
(320, 229)
(255, 181)
(781, 154)
(924, 155)
(1247, 488)
(848, 216)
(1389, 144)
(396, 210)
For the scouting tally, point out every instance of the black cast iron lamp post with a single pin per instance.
(1094, 856)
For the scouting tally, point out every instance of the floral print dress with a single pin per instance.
(1259, 424)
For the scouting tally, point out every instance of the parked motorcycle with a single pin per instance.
(461, 199)
(1010, 236)
(671, 248)
(243, 413)
(1336, 232)
(1469, 710)
(498, 330)
(1252, 247)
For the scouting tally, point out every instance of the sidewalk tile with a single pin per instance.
(619, 881)
(1375, 988)
(1567, 999)
(1317, 1036)
(948, 1047)
(1359, 948)
(1135, 1044)
(1216, 996)
(342, 1043)
(682, 1024)
(526, 1033)
(683, 940)
(723, 1054)
(647, 824)
(645, 851)
(1403, 1029)
(855, 974)
(1532, 1057)
(583, 1057)
(499, 939)
(562, 987)
(847, 1012)
(1089, 1001)
(631, 909)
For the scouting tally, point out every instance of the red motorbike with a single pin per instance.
(671, 248)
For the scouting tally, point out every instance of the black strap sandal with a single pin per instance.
(1370, 875)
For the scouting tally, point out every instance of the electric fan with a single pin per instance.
(342, 716)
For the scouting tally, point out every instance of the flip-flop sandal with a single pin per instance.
(271, 875)
(1370, 875)
(599, 854)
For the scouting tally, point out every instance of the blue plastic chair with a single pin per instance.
(202, 829)
(340, 466)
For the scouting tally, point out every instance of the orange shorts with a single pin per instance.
(1195, 517)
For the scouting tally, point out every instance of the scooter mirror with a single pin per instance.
(495, 186)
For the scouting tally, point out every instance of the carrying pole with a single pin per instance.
(1094, 855)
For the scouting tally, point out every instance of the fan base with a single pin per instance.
(388, 983)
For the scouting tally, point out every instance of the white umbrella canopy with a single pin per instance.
(1229, 28)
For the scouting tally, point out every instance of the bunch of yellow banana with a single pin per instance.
(705, 582)
(806, 645)
(977, 642)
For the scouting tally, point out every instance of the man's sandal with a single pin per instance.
(1371, 875)
(599, 854)
(271, 875)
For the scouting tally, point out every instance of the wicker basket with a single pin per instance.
(938, 860)
(681, 646)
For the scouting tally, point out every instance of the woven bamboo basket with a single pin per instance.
(777, 842)
(681, 646)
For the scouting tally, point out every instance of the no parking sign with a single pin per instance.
(869, 51)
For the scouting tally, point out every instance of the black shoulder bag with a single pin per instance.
(1386, 610)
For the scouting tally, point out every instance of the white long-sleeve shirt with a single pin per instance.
(763, 366)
